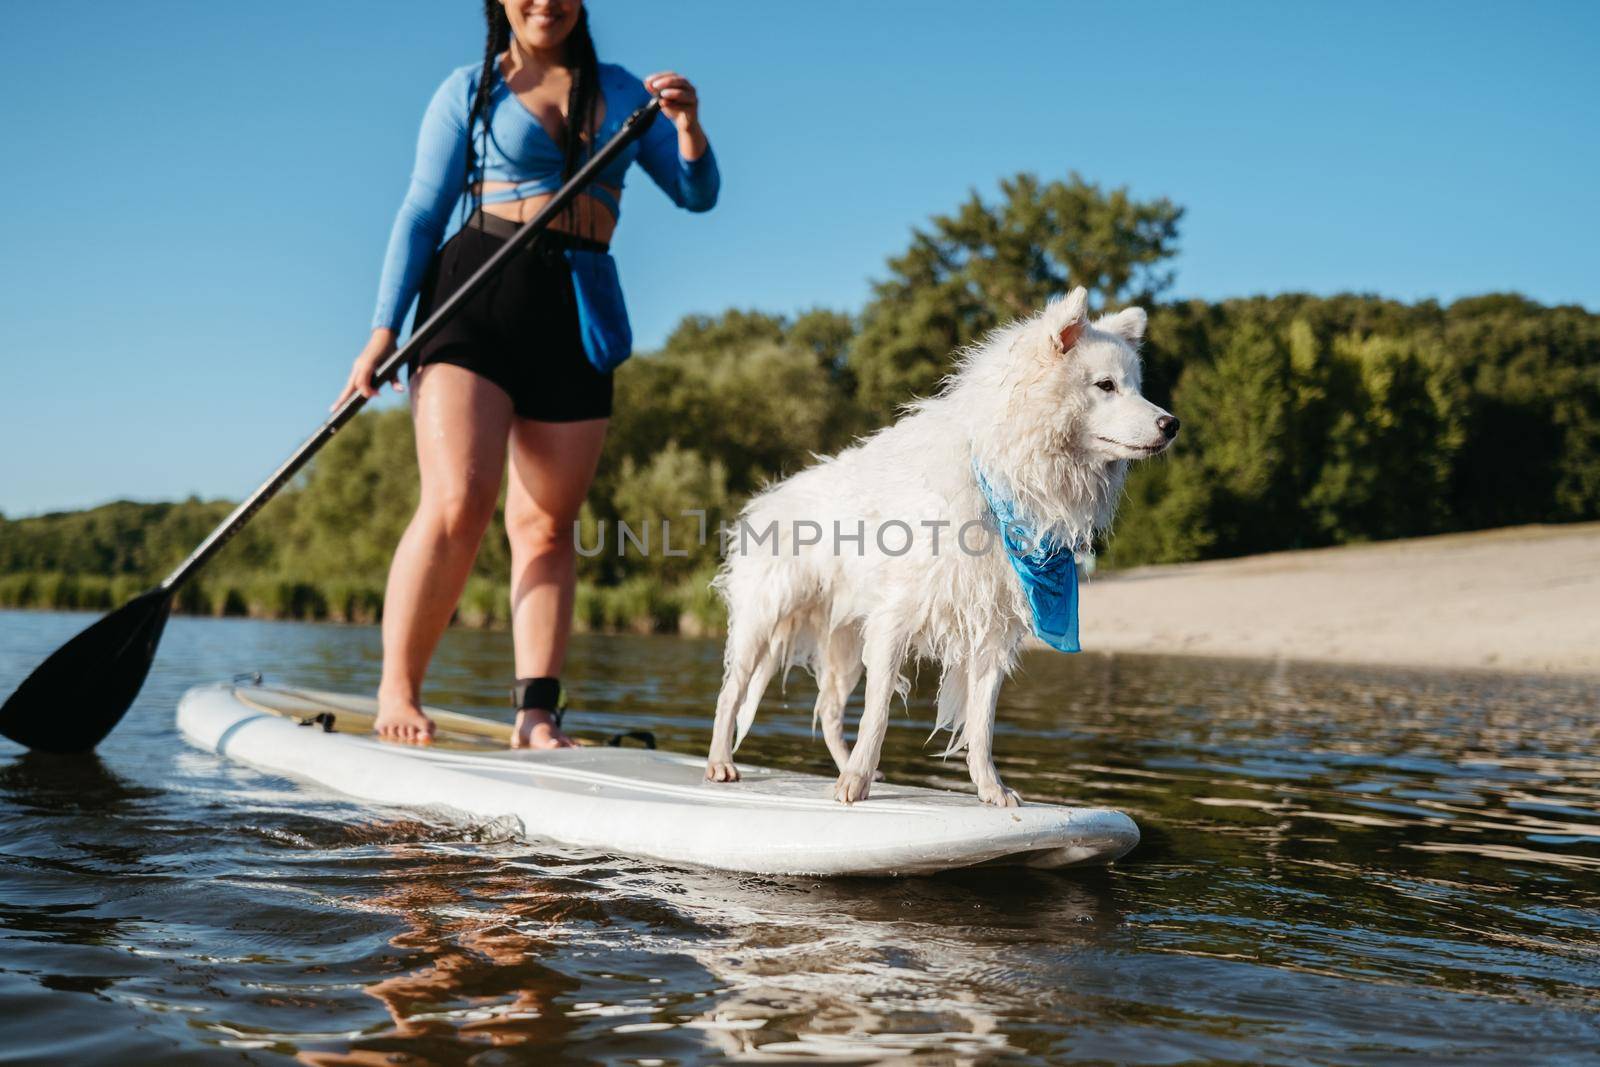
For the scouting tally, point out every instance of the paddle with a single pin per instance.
(74, 698)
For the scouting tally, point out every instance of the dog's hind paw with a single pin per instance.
(721, 771)
(852, 786)
(1000, 796)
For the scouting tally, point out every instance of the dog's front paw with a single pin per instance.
(852, 786)
(1000, 796)
(721, 770)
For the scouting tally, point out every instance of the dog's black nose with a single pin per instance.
(1168, 425)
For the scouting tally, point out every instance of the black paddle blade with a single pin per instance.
(76, 696)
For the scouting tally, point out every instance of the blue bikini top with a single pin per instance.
(518, 150)
(1046, 567)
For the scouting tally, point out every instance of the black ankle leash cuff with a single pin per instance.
(540, 694)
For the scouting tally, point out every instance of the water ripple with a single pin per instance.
(1339, 865)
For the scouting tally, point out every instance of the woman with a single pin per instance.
(517, 372)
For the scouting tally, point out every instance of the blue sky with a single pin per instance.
(195, 195)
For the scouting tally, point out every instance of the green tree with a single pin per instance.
(1532, 453)
(352, 504)
(668, 488)
(1165, 515)
(1392, 444)
(752, 398)
(990, 262)
(1236, 414)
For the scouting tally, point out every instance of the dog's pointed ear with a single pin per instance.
(1128, 324)
(1068, 319)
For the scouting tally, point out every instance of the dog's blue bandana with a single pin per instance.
(1047, 569)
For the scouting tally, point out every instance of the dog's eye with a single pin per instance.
(1106, 385)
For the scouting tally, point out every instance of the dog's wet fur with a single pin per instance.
(1050, 409)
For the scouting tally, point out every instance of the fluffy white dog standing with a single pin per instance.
(890, 549)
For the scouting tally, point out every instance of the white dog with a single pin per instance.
(891, 547)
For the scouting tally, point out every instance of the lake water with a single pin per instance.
(1339, 866)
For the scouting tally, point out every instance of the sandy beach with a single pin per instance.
(1523, 598)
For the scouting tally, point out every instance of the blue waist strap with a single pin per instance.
(539, 186)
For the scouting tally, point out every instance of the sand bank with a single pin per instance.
(1524, 598)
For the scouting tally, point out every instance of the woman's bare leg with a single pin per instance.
(461, 423)
(552, 464)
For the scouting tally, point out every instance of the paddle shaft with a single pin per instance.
(633, 127)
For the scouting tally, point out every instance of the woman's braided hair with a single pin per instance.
(582, 100)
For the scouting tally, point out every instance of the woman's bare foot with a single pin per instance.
(401, 719)
(537, 729)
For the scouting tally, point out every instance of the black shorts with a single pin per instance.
(521, 331)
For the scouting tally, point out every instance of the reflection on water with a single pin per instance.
(1338, 865)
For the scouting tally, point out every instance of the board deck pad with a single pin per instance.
(640, 802)
(357, 715)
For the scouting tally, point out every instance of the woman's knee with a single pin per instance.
(533, 531)
(462, 509)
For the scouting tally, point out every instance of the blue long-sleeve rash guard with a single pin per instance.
(519, 151)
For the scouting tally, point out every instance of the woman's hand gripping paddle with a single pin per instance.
(74, 698)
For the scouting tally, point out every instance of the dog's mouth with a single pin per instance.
(1152, 449)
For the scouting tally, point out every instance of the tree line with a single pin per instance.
(1307, 421)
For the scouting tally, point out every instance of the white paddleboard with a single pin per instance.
(641, 802)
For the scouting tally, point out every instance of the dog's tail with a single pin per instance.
(952, 713)
(770, 600)
(776, 653)
(752, 697)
